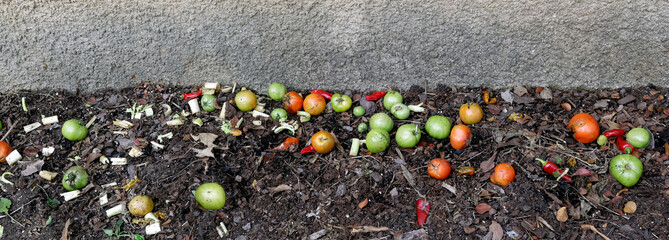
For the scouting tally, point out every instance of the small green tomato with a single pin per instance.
(276, 91)
(601, 140)
(74, 130)
(358, 111)
(400, 111)
(362, 127)
(208, 102)
(279, 114)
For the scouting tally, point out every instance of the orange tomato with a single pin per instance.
(314, 104)
(292, 102)
(585, 127)
(503, 174)
(323, 142)
(460, 136)
(471, 113)
(5, 149)
(439, 168)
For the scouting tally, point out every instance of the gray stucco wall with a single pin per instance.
(336, 44)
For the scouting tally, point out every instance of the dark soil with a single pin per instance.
(325, 190)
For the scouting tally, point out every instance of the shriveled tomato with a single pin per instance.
(460, 136)
(585, 127)
(314, 104)
(5, 149)
(503, 174)
(323, 142)
(439, 168)
(471, 113)
(292, 102)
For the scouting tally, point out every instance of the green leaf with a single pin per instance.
(52, 202)
(5, 204)
(137, 237)
(109, 232)
(118, 226)
(48, 221)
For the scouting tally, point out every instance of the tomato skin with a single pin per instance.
(246, 100)
(585, 128)
(323, 142)
(471, 113)
(460, 136)
(439, 168)
(5, 149)
(503, 174)
(292, 102)
(314, 104)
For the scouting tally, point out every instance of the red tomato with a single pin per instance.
(5, 149)
(323, 142)
(460, 136)
(471, 113)
(503, 174)
(314, 104)
(292, 102)
(585, 128)
(439, 168)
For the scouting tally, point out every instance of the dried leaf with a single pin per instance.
(561, 214)
(566, 106)
(483, 208)
(65, 235)
(630, 207)
(506, 95)
(582, 172)
(449, 187)
(33, 167)
(204, 152)
(281, 188)
(496, 230)
(520, 90)
(489, 164)
(415, 234)
(363, 203)
(30, 151)
(546, 94)
(543, 221)
(206, 138)
(364, 229)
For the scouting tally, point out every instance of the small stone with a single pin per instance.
(394, 193)
(341, 190)
(247, 227)
(238, 178)
(376, 176)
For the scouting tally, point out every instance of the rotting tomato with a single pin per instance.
(471, 113)
(585, 128)
(323, 142)
(439, 168)
(5, 149)
(140, 205)
(341, 102)
(292, 102)
(503, 174)
(314, 104)
(460, 136)
(246, 100)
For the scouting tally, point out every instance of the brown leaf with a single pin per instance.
(469, 230)
(566, 106)
(561, 214)
(546, 94)
(496, 230)
(520, 90)
(483, 208)
(494, 109)
(630, 207)
(65, 235)
(363, 203)
(30, 151)
(33, 167)
(204, 152)
(489, 164)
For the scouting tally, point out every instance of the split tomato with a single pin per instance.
(503, 174)
(323, 142)
(5, 149)
(460, 136)
(585, 128)
(314, 104)
(439, 168)
(292, 102)
(471, 113)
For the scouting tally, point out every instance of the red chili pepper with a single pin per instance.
(187, 96)
(623, 145)
(613, 133)
(289, 144)
(308, 149)
(553, 169)
(375, 96)
(422, 211)
(325, 94)
(465, 170)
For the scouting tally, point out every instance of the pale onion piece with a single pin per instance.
(175, 122)
(122, 123)
(157, 146)
(222, 230)
(208, 91)
(67, 196)
(138, 116)
(149, 112)
(13, 157)
(259, 108)
(108, 185)
(257, 122)
(103, 199)
(168, 135)
(31, 126)
(257, 113)
(119, 161)
(134, 152)
(194, 105)
(50, 120)
(222, 115)
(118, 209)
(104, 160)
(48, 175)
(226, 89)
(124, 133)
(211, 85)
(4, 180)
(154, 227)
(47, 151)
(168, 109)
(355, 147)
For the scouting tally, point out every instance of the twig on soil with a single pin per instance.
(11, 126)
(588, 226)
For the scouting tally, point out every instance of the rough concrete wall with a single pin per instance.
(335, 44)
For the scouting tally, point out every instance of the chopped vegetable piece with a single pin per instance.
(50, 120)
(623, 145)
(422, 211)
(187, 96)
(115, 210)
(375, 96)
(553, 169)
(290, 144)
(48, 175)
(325, 94)
(355, 147)
(13, 157)
(194, 105)
(465, 170)
(32, 126)
(67, 196)
(613, 133)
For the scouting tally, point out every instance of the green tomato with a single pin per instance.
(391, 98)
(341, 103)
(207, 102)
(75, 178)
(438, 127)
(210, 196)
(74, 130)
(601, 140)
(638, 137)
(407, 135)
(276, 91)
(246, 100)
(627, 169)
(377, 140)
(358, 111)
(362, 127)
(279, 114)
(381, 121)
(400, 111)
